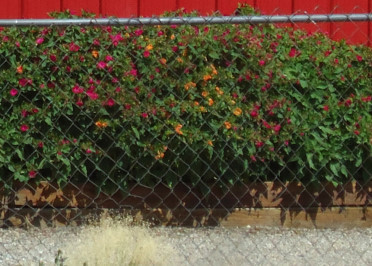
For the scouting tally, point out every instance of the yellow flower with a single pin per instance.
(207, 77)
(95, 53)
(178, 129)
(237, 111)
(233, 102)
(205, 93)
(184, 53)
(127, 35)
(227, 124)
(149, 47)
(210, 101)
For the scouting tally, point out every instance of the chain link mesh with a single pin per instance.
(183, 138)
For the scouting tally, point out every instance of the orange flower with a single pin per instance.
(163, 61)
(172, 37)
(214, 71)
(210, 101)
(149, 47)
(20, 69)
(179, 60)
(227, 124)
(95, 53)
(196, 103)
(210, 143)
(178, 129)
(160, 154)
(101, 124)
(202, 109)
(190, 84)
(184, 53)
(205, 93)
(219, 91)
(207, 77)
(237, 111)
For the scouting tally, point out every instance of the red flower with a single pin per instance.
(267, 125)
(74, 47)
(109, 58)
(259, 144)
(356, 132)
(359, 58)
(32, 174)
(253, 158)
(277, 128)
(92, 95)
(348, 102)
(367, 98)
(116, 39)
(292, 52)
(88, 151)
(110, 102)
(23, 82)
(254, 113)
(40, 144)
(146, 53)
(24, 128)
(138, 32)
(261, 62)
(79, 102)
(326, 108)
(144, 115)
(13, 92)
(53, 57)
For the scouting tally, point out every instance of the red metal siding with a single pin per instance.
(77, 5)
(352, 32)
(40, 8)
(120, 8)
(11, 9)
(309, 7)
(151, 7)
(204, 7)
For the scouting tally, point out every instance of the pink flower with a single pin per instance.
(253, 158)
(39, 40)
(146, 53)
(24, 128)
(138, 32)
(116, 39)
(40, 144)
(144, 115)
(267, 125)
(13, 92)
(110, 102)
(109, 58)
(367, 98)
(286, 142)
(348, 102)
(101, 65)
(261, 62)
(254, 113)
(326, 108)
(32, 174)
(24, 113)
(359, 58)
(133, 72)
(77, 89)
(96, 42)
(127, 106)
(79, 102)
(88, 151)
(92, 95)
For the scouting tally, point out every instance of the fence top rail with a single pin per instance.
(262, 19)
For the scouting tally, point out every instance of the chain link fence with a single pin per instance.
(184, 121)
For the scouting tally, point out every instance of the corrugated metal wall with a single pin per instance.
(352, 32)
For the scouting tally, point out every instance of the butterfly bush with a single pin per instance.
(203, 105)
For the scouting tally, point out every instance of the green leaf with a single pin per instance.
(136, 133)
(335, 168)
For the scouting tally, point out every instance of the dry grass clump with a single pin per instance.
(117, 242)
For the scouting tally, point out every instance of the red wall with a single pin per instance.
(352, 32)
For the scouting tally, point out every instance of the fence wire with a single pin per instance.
(184, 121)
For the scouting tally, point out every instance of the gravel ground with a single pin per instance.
(209, 246)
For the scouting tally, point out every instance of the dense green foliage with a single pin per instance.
(202, 104)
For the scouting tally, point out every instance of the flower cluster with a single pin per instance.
(235, 102)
